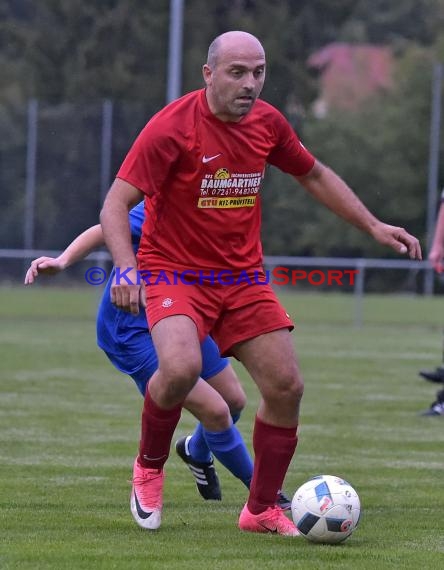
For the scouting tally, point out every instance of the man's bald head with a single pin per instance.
(234, 74)
(235, 41)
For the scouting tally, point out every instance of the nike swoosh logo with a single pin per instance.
(206, 159)
(268, 529)
(142, 514)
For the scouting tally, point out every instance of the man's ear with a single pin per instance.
(206, 72)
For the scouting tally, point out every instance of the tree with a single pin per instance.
(381, 151)
(72, 54)
(77, 50)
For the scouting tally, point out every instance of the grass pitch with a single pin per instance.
(69, 427)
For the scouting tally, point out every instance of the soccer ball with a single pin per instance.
(326, 509)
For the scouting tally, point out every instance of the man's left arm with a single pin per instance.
(330, 190)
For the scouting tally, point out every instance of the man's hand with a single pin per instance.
(43, 265)
(398, 239)
(128, 291)
(436, 258)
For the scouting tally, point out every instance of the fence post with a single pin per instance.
(175, 49)
(359, 292)
(31, 166)
(30, 181)
(106, 148)
(105, 159)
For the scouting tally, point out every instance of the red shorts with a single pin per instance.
(230, 313)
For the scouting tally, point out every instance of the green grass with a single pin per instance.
(69, 427)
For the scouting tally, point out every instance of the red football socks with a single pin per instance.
(274, 448)
(158, 427)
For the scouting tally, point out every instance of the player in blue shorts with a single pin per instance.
(216, 400)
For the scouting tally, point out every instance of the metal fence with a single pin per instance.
(56, 164)
(292, 274)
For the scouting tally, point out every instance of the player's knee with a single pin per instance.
(296, 390)
(237, 403)
(217, 418)
(178, 378)
(181, 371)
(287, 388)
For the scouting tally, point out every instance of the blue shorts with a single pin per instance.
(128, 345)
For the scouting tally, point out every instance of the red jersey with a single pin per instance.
(201, 177)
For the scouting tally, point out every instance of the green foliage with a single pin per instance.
(381, 151)
(78, 52)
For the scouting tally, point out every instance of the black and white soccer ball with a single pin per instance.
(326, 509)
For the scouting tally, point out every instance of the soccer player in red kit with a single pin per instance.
(199, 163)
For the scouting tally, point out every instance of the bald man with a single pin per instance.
(199, 165)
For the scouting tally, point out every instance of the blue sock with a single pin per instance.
(198, 446)
(230, 449)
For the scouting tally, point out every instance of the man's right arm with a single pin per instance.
(126, 291)
(436, 255)
(332, 191)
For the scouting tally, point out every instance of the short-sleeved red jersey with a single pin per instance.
(201, 177)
